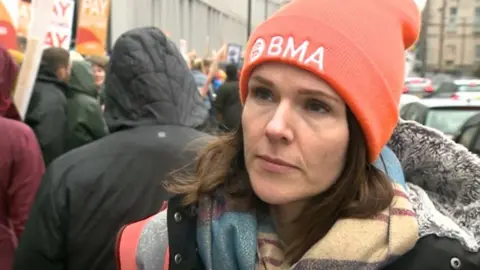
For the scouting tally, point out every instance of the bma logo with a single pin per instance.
(257, 49)
(282, 47)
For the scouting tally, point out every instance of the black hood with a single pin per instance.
(148, 83)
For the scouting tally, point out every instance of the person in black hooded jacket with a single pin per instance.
(152, 108)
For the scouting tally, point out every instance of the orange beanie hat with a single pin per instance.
(357, 46)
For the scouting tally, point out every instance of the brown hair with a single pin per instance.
(100, 61)
(206, 63)
(361, 191)
(197, 64)
(55, 58)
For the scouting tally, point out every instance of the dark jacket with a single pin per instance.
(21, 166)
(87, 195)
(101, 94)
(228, 105)
(85, 117)
(47, 113)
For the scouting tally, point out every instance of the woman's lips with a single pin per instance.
(275, 165)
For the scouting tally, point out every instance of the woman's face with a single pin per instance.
(295, 132)
(98, 75)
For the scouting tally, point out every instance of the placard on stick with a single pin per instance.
(234, 53)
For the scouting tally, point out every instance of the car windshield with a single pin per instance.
(447, 87)
(449, 121)
(469, 88)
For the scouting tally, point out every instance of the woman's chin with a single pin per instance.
(273, 196)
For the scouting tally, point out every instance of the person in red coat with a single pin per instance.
(21, 165)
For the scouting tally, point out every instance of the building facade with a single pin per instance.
(458, 48)
(204, 24)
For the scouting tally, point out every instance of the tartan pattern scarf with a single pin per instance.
(239, 240)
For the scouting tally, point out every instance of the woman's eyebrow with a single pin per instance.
(262, 80)
(318, 92)
(303, 91)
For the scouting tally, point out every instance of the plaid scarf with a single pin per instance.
(239, 240)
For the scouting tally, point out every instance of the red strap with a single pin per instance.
(127, 245)
(127, 242)
(166, 262)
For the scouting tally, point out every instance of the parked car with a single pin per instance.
(467, 89)
(445, 115)
(406, 99)
(417, 86)
(469, 134)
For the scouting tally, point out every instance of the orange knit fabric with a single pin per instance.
(357, 46)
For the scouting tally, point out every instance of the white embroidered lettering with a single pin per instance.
(257, 49)
(287, 48)
(291, 51)
(317, 57)
(275, 47)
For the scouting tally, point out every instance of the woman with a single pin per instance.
(99, 65)
(308, 181)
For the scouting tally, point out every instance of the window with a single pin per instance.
(469, 88)
(477, 52)
(476, 147)
(477, 17)
(449, 121)
(476, 20)
(452, 19)
(467, 136)
(453, 14)
(406, 111)
(447, 87)
(413, 111)
(419, 115)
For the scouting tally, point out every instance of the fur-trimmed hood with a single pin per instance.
(443, 182)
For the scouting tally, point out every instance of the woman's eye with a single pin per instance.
(263, 93)
(316, 106)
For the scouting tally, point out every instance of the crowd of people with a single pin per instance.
(133, 112)
(297, 159)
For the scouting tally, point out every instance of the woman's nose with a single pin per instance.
(278, 128)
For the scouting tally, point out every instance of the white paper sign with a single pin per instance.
(234, 53)
(60, 31)
(41, 15)
(183, 47)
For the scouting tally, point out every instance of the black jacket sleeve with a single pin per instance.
(42, 244)
(49, 122)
